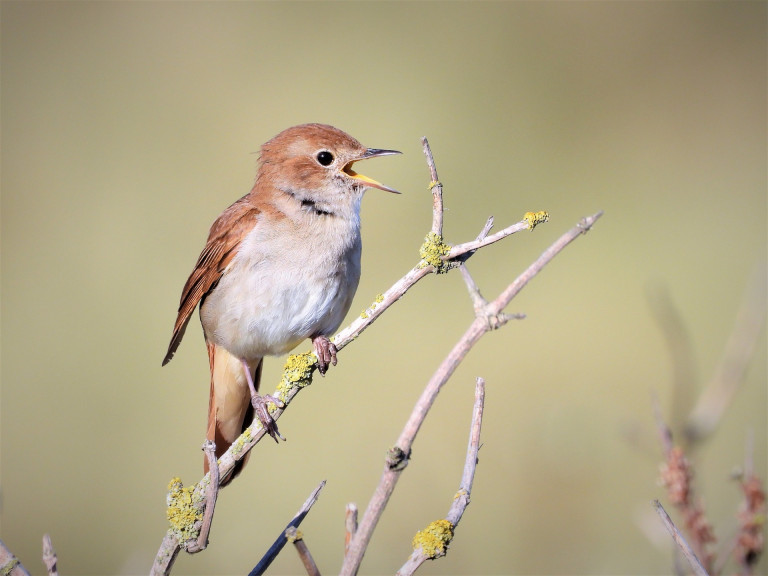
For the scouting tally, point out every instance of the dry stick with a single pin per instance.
(698, 569)
(275, 549)
(210, 499)
(488, 319)
(437, 190)
(293, 535)
(49, 556)
(462, 498)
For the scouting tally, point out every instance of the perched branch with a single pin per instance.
(434, 541)
(275, 549)
(698, 569)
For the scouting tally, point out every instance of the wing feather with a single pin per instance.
(224, 240)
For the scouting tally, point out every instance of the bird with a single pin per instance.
(280, 265)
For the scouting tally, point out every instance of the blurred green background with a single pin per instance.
(127, 127)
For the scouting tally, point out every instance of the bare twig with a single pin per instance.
(49, 556)
(275, 549)
(295, 536)
(426, 545)
(462, 499)
(696, 566)
(437, 190)
(210, 499)
(398, 458)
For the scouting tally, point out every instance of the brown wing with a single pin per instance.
(224, 239)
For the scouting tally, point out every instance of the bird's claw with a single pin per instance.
(260, 406)
(325, 350)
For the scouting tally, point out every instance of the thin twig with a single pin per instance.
(49, 556)
(210, 499)
(293, 535)
(696, 566)
(462, 498)
(399, 455)
(275, 549)
(437, 190)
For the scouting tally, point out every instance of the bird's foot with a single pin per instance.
(325, 350)
(260, 405)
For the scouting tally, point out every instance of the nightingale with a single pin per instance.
(280, 265)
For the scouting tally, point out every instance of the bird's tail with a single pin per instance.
(229, 407)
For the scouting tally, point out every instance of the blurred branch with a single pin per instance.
(428, 545)
(729, 375)
(698, 569)
(295, 536)
(677, 476)
(678, 341)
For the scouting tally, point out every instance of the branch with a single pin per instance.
(428, 544)
(729, 375)
(397, 459)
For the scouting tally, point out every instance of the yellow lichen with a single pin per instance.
(376, 301)
(183, 511)
(535, 218)
(297, 372)
(434, 539)
(432, 252)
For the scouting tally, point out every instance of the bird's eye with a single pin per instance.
(325, 158)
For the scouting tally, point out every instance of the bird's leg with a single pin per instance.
(260, 402)
(325, 350)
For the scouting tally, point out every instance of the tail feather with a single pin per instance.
(229, 406)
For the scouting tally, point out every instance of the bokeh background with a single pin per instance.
(127, 127)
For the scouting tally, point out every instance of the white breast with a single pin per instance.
(288, 282)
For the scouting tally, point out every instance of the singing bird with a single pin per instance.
(280, 265)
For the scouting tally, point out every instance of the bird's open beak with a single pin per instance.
(370, 153)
